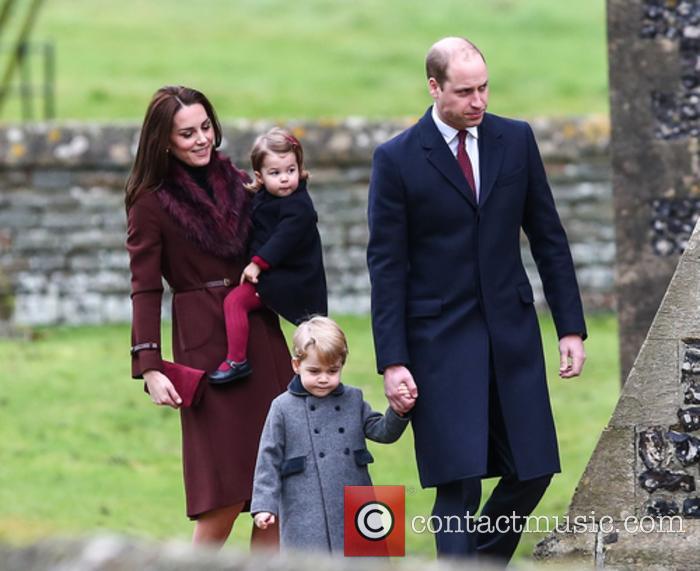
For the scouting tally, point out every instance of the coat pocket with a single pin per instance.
(424, 307)
(363, 457)
(293, 466)
(511, 177)
(525, 291)
(194, 323)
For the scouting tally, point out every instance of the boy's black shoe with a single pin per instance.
(236, 371)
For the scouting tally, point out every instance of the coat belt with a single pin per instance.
(226, 282)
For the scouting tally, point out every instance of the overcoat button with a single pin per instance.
(337, 407)
(341, 430)
(316, 431)
(321, 454)
(312, 407)
(347, 451)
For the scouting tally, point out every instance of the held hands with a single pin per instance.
(251, 273)
(264, 519)
(405, 392)
(400, 388)
(161, 390)
(572, 356)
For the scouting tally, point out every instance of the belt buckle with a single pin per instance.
(227, 282)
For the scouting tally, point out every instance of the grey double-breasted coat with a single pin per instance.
(310, 449)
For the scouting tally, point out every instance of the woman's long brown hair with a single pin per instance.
(152, 157)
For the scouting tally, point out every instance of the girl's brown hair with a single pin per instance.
(277, 141)
(152, 157)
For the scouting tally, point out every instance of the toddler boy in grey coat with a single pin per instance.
(313, 444)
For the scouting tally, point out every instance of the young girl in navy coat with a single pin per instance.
(286, 269)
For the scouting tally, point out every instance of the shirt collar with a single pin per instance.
(296, 388)
(448, 132)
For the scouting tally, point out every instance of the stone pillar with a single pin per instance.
(654, 60)
(637, 503)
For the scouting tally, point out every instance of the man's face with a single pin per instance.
(463, 97)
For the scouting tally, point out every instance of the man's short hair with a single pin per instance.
(441, 53)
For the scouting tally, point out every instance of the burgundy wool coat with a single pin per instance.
(186, 243)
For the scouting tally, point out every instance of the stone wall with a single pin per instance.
(120, 553)
(62, 221)
(653, 54)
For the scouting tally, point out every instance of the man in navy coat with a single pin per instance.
(452, 308)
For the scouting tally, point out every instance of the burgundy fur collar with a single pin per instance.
(220, 228)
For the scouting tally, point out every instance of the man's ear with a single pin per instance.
(296, 364)
(433, 87)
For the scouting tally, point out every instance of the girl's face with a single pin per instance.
(279, 174)
(320, 379)
(192, 137)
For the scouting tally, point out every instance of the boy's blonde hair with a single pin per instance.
(325, 336)
(278, 141)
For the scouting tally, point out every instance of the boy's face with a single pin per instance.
(320, 379)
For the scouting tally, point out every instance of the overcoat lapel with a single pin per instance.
(439, 155)
(490, 157)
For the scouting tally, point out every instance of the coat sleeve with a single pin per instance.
(550, 248)
(267, 484)
(387, 260)
(385, 428)
(144, 244)
(297, 219)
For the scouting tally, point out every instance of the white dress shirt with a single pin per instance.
(472, 144)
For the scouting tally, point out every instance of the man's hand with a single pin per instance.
(251, 273)
(571, 355)
(399, 400)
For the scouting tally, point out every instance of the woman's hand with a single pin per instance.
(251, 273)
(161, 390)
(264, 519)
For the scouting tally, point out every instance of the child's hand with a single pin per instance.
(264, 519)
(405, 392)
(251, 273)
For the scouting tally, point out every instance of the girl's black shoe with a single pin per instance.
(234, 372)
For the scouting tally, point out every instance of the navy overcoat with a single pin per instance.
(450, 293)
(285, 236)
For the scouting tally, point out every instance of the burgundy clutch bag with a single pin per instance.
(188, 382)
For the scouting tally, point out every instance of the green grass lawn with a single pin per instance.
(83, 449)
(317, 58)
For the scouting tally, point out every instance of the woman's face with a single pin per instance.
(192, 137)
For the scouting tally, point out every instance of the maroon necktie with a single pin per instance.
(463, 159)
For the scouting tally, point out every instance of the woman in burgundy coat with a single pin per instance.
(188, 222)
